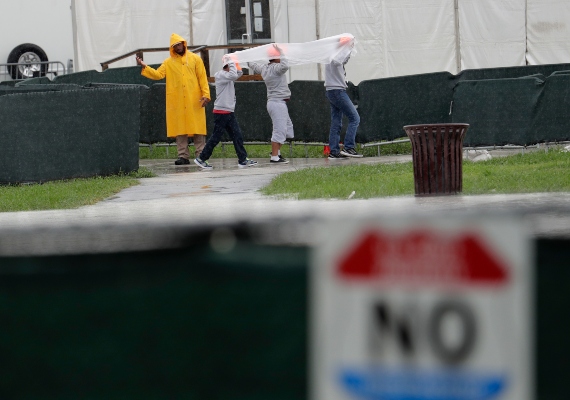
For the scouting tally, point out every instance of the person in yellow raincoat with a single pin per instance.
(187, 93)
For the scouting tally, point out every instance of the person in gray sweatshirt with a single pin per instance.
(335, 85)
(278, 94)
(224, 117)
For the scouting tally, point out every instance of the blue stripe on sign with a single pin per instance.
(381, 383)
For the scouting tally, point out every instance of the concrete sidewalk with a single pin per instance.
(184, 196)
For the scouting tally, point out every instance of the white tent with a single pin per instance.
(395, 37)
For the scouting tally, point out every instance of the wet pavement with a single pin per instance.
(185, 196)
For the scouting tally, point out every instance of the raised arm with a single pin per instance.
(151, 73)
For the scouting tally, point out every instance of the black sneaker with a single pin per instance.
(282, 160)
(202, 164)
(182, 161)
(338, 156)
(350, 153)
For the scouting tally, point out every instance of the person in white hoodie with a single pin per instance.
(224, 117)
(278, 95)
(335, 85)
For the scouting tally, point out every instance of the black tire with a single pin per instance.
(26, 54)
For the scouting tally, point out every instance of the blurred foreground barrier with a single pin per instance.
(437, 154)
(220, 311)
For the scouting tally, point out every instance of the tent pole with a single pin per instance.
(74, 29)
(457, 38)
(318, 31)
(191, 26)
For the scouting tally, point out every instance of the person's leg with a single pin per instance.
(345, 105)
(290, 134)
(182, 146)
(220, 123)
(236, 136)
(336, 121)
(199, 143)
(279, 115)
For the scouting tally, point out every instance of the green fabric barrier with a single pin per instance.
(155, 114)
(509, 72)
(498, 112)
(551, 114)
(309, 110)
(180, 323)
(4, 90)
(44, 80)
(69, 134)
(79, 78)
(8, 83)
(251, 111)
(126, 75)
(386, 105)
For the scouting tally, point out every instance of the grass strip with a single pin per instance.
(66, 194)
(533, 172)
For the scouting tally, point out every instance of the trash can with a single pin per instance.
(437, 157)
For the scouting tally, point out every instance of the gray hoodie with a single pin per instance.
(225, 91)
(335, 76)
(274, 76)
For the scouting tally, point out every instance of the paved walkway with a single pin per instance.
(184, 196)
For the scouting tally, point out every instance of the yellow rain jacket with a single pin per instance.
(186, 83)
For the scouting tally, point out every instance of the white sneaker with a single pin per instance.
(350, 153)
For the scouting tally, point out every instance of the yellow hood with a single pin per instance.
(174, 38)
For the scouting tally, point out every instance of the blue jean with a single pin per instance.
(341, 104)
(227, 123)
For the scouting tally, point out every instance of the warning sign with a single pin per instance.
(430, 310)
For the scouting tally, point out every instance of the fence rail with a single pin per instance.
(36, 69)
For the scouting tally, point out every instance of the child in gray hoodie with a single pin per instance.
(224, 117)
(278, 94)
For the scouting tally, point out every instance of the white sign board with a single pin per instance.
(429, 310)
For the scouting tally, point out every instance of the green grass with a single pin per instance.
(298, 150)
(532, 172)
(66, 194)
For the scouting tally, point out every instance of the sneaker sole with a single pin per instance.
(279, 162)
(352, 155)
(246, 166)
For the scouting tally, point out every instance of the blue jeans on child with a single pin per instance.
(341, 104)
(225, 123)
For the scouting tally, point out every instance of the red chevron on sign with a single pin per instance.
(422, 256)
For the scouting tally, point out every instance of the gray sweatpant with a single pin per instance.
(282, 125)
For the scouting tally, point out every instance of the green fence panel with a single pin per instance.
(79, 78)
(509, 72)
(386, 105)
(126, 75)
(44, 80)
(498, 112)
(4, 90)
(155, 115)
(70, 134)
(551, 116)
(8, 83)
(309, 110)
(182, 324)
(251, 111)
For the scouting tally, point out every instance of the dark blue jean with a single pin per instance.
(225, 123)
(341, 104)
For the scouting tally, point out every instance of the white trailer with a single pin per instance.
(36, 39)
